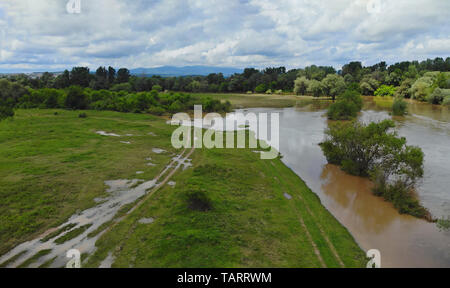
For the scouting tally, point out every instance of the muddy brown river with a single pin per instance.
(404, 241)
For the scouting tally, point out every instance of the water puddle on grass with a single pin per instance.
(158, 151)
(107, 263)
(103, 133)
(146, 221)
(121, 193)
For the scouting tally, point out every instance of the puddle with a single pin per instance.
(103, 133)
(121, 193)
(151, 164)
(148, 159)
(125, 142)
(146, 221)
(172, 183)
(139, 172)
(158, 151)
(107, 263)
(152, 134)
(287, 196)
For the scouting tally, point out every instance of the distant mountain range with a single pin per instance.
(166, 71)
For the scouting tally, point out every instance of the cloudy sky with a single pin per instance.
(38, 35)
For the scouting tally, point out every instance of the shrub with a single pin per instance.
(157, 88)
(269, 91)
(199, 201)
(346, 107)
(399, 108)
(261, 88)
(156, 110)
(446, 101)
(438, 96)
(342, 110)
(385, 90)
(6, 112)
(176, 106)
(82, 115)
(76, 98)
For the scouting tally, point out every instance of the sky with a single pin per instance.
(41, 35)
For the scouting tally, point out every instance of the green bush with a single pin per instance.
(76, 98)
(261, 88)
(198, 201)
(82, 115)
(156, 110)
(400, 107)
(346, 107)
(446, 101)
(385, 90)
(373, 150)
(438, 96)
(6, 112)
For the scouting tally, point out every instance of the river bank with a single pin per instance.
(262, 215)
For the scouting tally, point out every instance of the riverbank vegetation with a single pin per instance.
(346, 107)
(375, 151)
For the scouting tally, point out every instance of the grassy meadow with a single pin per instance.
(54, 164)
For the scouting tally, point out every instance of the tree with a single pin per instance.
(369, 86)
(63, 80)
(76, 98)
(354, 69)
(346, 107)
(315, 88)
(111, 75)
(123, 75)
(101, 78)
(301, 85)
(375, 151)
(333, 85)
(404, 90)
(79, 76)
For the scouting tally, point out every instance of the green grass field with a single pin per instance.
(55, 165)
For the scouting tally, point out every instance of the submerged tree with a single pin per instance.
(375, 151)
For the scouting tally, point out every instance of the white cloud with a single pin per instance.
(42, 35)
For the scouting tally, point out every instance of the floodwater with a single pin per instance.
(404, 241)
(121, 193)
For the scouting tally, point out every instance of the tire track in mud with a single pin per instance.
(302, 222)
(322, 232)
(179, 162)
